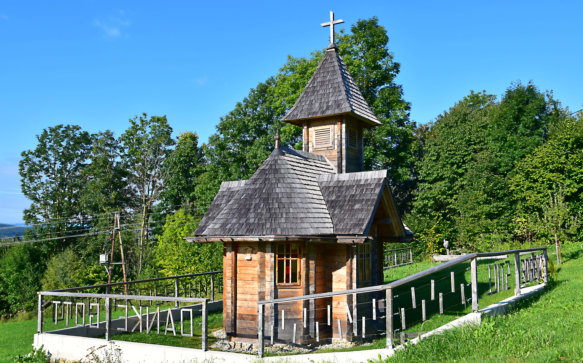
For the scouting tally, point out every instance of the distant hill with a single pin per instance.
(8, 230)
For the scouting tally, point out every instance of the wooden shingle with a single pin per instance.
(295, 193)
(281, 198)
(331, 91)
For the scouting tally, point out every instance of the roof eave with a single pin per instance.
(367, 121)
(344, 239)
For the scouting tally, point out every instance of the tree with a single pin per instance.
(521, 123)
(51, 175)
(20, 277)
(105, 177)
(388, 146)
(558, 162)
(244, 136)
(175, 256)
(182, 169)
(145, 144)
(470, 156)
(557, 220)
(451, 144)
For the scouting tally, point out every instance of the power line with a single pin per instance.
(2, 244)
(52, 239)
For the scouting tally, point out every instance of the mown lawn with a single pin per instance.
(548, 327)
(16, 338)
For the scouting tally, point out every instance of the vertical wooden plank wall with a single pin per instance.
(229, 287)
(247, 289)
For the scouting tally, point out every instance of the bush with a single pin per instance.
(36, 356)
(175, 256)
(21, 270)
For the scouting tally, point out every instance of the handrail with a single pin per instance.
(122, 297)
(404, 280)
(399, 249)
(532, 266)
(136, 281)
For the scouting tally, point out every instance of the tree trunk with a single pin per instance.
(558, 250)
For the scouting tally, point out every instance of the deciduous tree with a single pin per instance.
(146, 144)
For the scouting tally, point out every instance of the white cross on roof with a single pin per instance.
(331, 24)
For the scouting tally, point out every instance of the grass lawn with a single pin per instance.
(16, 337)
(548, 327)
(215, 322)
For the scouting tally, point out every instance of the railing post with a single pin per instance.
(474, 273)
(176, 291)
(546, 262)
(411, 254)
(389, 317)
(260, 318)
(40, 314)
(212, 287)
(204, 326)
(108, 318)
(517, 274)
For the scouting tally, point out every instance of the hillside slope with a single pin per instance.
(545, 328)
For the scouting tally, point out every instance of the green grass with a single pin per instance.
(547, 327)
(16, 337)
(215, 322)
(550, 329)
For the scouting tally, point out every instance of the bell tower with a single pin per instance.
(333, 112)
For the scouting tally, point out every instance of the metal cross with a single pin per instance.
(331, 25)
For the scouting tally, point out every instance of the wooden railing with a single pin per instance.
(398, 257)
(401, 296)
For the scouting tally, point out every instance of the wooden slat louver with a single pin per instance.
(323, 137)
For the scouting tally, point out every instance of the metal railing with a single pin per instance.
(87, 310)
(398, 257)
(369, 312)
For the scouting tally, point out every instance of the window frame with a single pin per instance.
(288, 252)
(364, 262)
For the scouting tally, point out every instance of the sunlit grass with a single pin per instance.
(546, 327)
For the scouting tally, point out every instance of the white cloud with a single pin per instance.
(3, 16)
(114, 26)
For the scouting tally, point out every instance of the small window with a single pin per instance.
(352, 138)
(364, 262)
(323, 137)
(287, 264)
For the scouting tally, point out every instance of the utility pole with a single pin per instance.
(117, 231)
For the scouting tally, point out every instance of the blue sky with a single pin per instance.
(98, 63)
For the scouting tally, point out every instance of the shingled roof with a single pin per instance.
(352, 199)
(331, 91)
(281, 198)
(295, 193)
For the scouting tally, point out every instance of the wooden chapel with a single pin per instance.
(308, 221)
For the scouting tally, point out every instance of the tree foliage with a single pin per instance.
(175, 256)
(471, 154)
(182, 168)
(146, 144)
(51, 174)
(244, 136)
